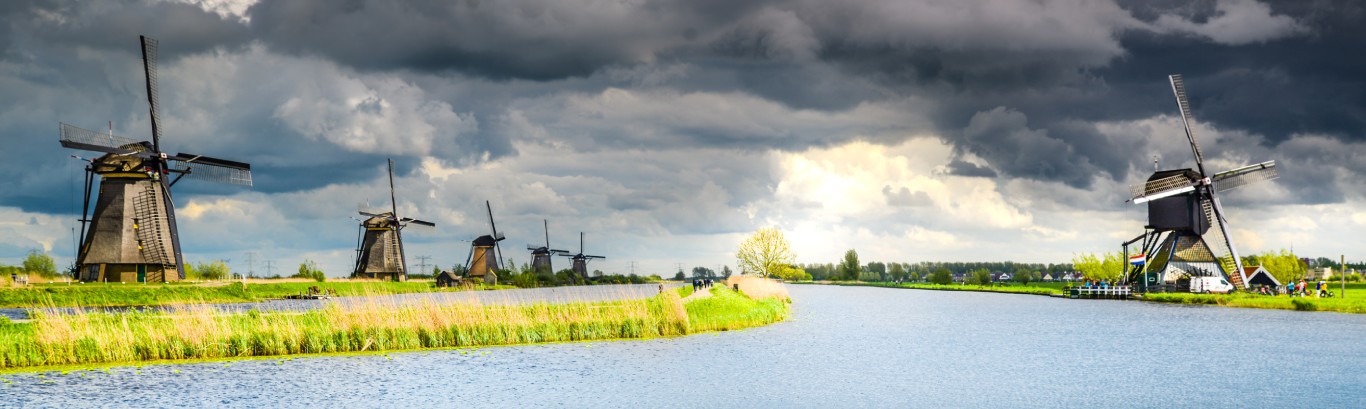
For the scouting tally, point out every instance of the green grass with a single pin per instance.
(728, 310)
(198, 332)
(1032, 288)
(119, 294)
(685, 291)
(1353, 304)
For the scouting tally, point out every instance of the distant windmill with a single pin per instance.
(485, 253)
(1182, 208)
(379, 249)
(581, 260)
(541, 255)
(132, 235)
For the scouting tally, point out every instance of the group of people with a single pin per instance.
(1301, 289)
(701, 283)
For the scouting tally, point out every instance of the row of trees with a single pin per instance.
(1282, 264)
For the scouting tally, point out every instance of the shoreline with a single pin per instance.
(82, 341)
(1237, 300)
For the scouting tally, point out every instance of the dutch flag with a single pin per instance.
(1138, 259)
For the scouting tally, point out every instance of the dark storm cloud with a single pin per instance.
(499, 39)
(114, 25)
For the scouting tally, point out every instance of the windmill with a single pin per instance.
(485, 254)
(379, 247)
(1187, 235)
(581, 260)
(132, 234)
(541, 255)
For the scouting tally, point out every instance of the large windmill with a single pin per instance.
(541, 255)
(1187, 235)
(485, 254)
(580, 259)
(379, 247)
(132, 235)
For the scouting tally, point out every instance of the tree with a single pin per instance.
(309, 269)
(1024, 276)
(213, 270)
(725, 271)
(898, 272)
(1283, 265)
(765, 252)
(980, 276)
(1106, 267)
(849, 267)
(38, 262)
(941, 276)
(701, 272)
(680, 276)
(792, 273)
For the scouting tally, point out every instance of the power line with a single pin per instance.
(269, 264)
(422, 264)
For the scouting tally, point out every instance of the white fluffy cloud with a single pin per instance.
(1236, 22)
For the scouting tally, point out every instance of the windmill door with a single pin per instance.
(142, 273)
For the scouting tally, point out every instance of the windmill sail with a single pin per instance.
(132, 234)
(1182, 205)
(1229, 180)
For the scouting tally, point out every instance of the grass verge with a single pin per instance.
(122, 295)
(198, 332)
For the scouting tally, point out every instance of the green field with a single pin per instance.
(122, 295)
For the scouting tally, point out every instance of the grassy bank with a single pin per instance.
(190, 332)
(1354, 303)
(1351, 304)
(119, 294)
(1033, 288)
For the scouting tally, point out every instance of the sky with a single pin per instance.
(669, 130)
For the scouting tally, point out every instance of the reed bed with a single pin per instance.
(759, 302)
(61, 337)
(759, 288)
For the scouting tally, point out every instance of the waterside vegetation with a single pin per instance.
(57, 337)
(138, 294)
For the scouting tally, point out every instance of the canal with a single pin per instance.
(843, 347)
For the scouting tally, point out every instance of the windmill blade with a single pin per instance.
(559, 251)
(499, 237)
(533, 247)
(410, 220)
(1160, 188)
(1179, 89)
(1223, 247)
(202, 167)
(594, 257)
(371, 214)
(75, 137)
(1228, 180)
(149, 67)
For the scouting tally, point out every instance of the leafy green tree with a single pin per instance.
(1283, 265)
(213, 270)
(309, 269)
(941, 276)
(1108, 266)
(849, 268)
(765, 252)
(40, 263)
(898, 272)
(980, 276)
(680, 276)
(725, 271)
(1024, 276)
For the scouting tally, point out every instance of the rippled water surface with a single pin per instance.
(843, 347)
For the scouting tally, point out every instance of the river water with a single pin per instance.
(843, 347)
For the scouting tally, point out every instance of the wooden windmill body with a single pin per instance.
(1187, 235)
(483, 261)
(132, 235)
(379, 253)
